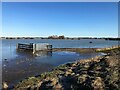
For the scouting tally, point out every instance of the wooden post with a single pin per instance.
(18, 46)
(34, 48)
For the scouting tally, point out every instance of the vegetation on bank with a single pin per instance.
(99, 73)
(107, 49)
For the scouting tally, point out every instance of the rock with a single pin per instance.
(98, 84)
(58, 86)
(77, 75)
(54, 81)
(67, 73)
(5, 85)
(46, 85)
(87, 66)
(31, 78)
(107, 57)
(98, 68)
(39, 84)
(69, 70)
(74, 65)
(69, 64)
(34, 87)
(72, 73)
(82, 78)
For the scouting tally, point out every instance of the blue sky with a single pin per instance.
(40, 19)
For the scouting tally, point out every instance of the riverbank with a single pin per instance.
(96, 73)
(78, 50)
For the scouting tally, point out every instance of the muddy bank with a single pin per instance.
(79, 50)
(99, 73)
(108, 48)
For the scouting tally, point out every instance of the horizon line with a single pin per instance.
(48, 36)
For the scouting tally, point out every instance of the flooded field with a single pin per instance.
(19, 65)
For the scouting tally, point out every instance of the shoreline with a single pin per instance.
(61, 38)
(58, 77)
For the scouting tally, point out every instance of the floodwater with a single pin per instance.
(17, 65)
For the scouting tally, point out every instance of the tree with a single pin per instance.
(61, 37)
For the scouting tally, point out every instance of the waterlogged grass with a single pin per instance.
(107, 49)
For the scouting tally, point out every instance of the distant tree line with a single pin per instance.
(112, 38)
(56, 37)
(59, 37)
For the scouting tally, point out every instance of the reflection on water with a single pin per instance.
(24, 53)
(26, 64)
(43, 53)
(30, 53)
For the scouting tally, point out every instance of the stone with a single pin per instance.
(74, 65)
(54, 81)
(98, 84)
(69, 70)
(98, 68)
(58, 86)
(5, 85)
(39, 84)
(87, 66)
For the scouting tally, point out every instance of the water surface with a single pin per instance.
(18, 65)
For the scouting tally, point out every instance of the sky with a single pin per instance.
(72, 19)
